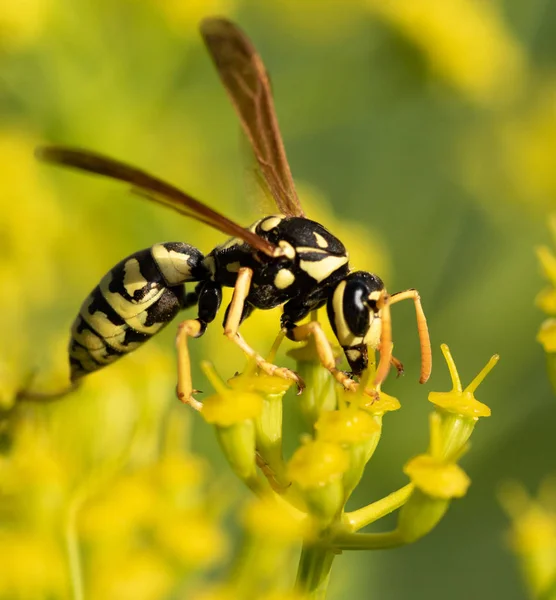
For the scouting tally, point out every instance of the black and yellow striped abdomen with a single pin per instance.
(133, 301)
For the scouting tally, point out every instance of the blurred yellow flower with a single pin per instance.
(193, 539)
(275, 521)
(527, 138)
(139, 574)
(22, 22)
(30, 216)
(184, 16)
(466, 42)
(31, 566)
(547, 335)
(533, 532)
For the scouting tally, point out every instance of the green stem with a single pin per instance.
(313, 573)
(368, 541)
(372, 512)
(72, 546)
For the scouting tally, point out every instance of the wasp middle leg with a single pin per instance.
(236, 313)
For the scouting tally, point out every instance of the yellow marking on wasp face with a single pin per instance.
(320, 240)
(372, 337)
(283, 279)
(270, 223)
(233, 267)
(321, 269)
(173, 265)
(353, 355)
(287, 249)
(123, 307)
(133, 280)
(376, 295)
(343, 332)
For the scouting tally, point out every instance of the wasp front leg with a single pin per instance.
(300, 333)
(237, 312)
(422, 330)
(209, 296)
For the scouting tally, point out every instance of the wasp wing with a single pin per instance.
(245, 78)
(152, 188)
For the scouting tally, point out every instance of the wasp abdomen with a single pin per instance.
(133, 301)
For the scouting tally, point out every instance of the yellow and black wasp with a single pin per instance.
(283, 259)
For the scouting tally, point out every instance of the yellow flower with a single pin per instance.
(437, 478)
(533, 532)
(316, 464)
(230, 406)
(462, 401)
(465, 41)
(346, 427)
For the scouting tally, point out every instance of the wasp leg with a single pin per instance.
(209, 296)
(190, 328)
(398, 365)
(301, 332)
(236, 312)
(422, 329)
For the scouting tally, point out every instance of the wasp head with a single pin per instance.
(354, 310)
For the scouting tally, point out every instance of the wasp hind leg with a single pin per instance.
(237, 312)
(208, 295)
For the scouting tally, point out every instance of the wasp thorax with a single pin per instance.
(354, 310)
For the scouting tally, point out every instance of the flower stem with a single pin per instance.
(73, 550)
(372, 512)
(313, 572)
(368, 541)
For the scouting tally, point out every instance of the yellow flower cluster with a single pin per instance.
(310, 489)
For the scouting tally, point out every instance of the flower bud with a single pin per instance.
(268, 423)
(316, 470)
(233, 413)
(437, 479)
(458, 408)
(357, 433)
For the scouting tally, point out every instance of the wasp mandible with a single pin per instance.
(283, 259)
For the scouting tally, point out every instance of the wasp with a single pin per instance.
(284, 259)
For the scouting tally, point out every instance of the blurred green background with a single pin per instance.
(430, 124)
